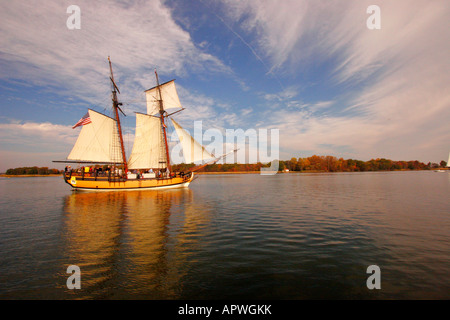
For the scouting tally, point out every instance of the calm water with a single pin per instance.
(289, 236)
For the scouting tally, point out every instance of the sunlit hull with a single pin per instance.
(80, 184)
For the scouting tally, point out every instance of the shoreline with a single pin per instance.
(28, 175)
(231, 172)
(317, 171)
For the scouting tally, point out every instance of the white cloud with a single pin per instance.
(398, 102)
(246, 111)
(37, 47)
(32, 143)
(36, 135)
(213, 114)
(285, 95)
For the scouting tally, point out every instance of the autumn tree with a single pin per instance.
(303, 164)
(293, 164)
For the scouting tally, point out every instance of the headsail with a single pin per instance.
(168, 93)
(192, 150)
(98, 141)
(148, 150)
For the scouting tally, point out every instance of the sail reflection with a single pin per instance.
(137, 244)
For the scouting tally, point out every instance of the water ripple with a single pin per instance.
(290, 236)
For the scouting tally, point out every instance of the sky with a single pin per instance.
(311, 69)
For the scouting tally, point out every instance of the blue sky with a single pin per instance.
(311, 69)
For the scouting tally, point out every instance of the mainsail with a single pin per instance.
(192, 150)
(168, 92)
(98, 141)
(148, 148)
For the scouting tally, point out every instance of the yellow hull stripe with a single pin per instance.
(128, 184)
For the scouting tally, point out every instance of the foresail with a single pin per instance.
(192, 150)
(169, 96)
(148, 149)
(98, 141)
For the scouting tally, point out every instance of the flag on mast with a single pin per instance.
(84, 120)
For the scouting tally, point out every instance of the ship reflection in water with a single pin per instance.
(132, 244)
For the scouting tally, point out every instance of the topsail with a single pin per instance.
(168, 94)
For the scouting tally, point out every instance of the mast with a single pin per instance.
(163, 126)
(116, 107)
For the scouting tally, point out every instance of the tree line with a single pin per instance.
(318, 163)
(32, 170)
(312, 164)
(333, 164)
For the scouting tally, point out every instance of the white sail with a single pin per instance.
(148, 148)
(448, 161)
(192, 150)
(98, 141)
(169, 96)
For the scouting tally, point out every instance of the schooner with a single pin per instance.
(100, 147)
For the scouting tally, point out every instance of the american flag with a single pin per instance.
(84, 120)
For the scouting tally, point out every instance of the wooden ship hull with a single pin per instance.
(119, 184)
